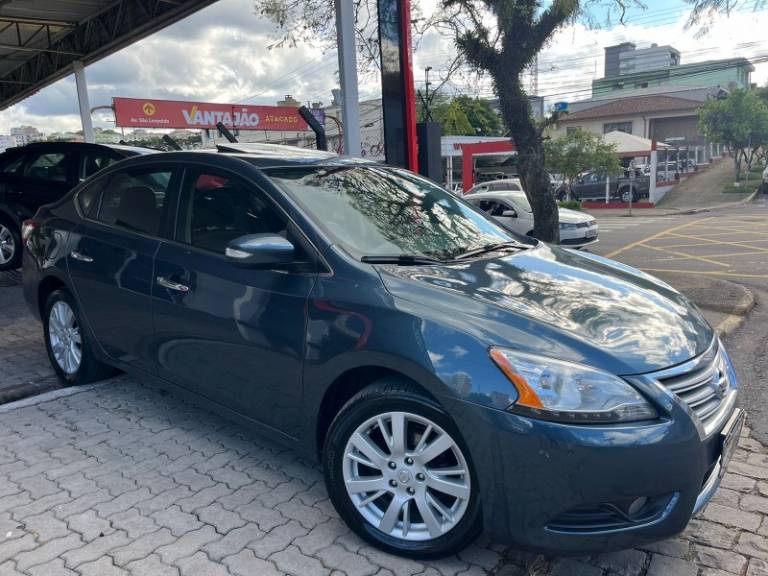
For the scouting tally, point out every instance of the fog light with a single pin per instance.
(637, 505)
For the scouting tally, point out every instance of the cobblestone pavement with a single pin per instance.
(119, 478)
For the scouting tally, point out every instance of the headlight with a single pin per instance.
(567, 226)
(567, 392)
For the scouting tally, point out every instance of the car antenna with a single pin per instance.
(226, 133)
(171, 142)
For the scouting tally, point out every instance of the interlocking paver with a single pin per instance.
(120, 479)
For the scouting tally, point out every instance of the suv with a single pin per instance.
(591, 186)
(40, 173)
(451, 375)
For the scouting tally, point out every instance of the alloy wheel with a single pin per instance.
(406, 476)
(7, 245)
(65, 338)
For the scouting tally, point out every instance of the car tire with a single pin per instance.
(68, 344)
(405, 486)
(10, 245)
(624, 195)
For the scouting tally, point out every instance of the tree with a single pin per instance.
(481, 115)
(461, 115)
(578, 151)
(497, 37)
(739, 120)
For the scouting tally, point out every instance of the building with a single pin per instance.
(6, 142)
(626, 59)
(627, 68)
(669, 113)
(26, 134)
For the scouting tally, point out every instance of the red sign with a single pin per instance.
(141, 113)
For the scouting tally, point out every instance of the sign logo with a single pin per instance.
(149, 109)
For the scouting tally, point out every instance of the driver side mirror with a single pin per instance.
(509, 214)
(260, 250)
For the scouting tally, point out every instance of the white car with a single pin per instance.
(765, 177)
(506, 184)
(511, 209)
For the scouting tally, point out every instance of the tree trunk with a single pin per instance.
(516, 111)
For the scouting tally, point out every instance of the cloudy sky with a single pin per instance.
(221, 54)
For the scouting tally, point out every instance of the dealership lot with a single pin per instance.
(120, 478)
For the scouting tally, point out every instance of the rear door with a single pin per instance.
(231, 333)
(47, 174)
(111, 257)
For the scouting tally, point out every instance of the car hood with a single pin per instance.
(559, 303)
(574, 216)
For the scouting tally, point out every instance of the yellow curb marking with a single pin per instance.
(706, 273)
(685, 256)
(658, 235)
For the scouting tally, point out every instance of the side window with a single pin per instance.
(88, 198)
(217, 208)
(135, 199)
(50, 166)
(497, 209)
(13, 165)
(92, 162)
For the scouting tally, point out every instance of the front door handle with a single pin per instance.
(80, 256)
(171, 285)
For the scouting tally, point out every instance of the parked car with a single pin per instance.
(43, 172)
(591, 186)
(513, 211)
(451, 375)
(496, 186)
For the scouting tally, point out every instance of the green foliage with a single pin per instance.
(570, 204)
(739, 120)
(578, 151)
(462, 115)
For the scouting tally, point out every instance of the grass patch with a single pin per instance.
(570, 204)
(755, 177)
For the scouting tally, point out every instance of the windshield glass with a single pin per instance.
(521, 200)
(380, 211)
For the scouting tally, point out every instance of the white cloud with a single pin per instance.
(221, 54)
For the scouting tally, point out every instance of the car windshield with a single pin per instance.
(522, 201)
(381, 211)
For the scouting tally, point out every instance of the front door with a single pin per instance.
(231, 333)
(111, 258)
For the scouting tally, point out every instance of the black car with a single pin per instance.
(40, 173)
(591, 186)
(451, 375)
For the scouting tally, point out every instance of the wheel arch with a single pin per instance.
(344, 387)
(45, 288)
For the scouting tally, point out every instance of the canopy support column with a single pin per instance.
(82, 101)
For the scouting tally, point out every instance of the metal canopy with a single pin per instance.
(41, 39)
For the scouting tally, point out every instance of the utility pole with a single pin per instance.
(427, 83)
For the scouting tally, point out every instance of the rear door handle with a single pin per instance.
(80, 256)
(171, 285)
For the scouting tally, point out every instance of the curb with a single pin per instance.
(27, 389)
(729, 325)
(719, 206)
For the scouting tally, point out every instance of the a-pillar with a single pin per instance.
(82, 101)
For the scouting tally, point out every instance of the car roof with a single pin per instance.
(491, 194)
(119, 147)
(267, 155)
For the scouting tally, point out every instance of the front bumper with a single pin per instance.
(551, 487)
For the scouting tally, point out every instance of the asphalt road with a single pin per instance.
(730, 244)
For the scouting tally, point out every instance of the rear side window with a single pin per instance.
(88, 198)
(136, 200)
(13, 165)
(50, 166)
(92, 162)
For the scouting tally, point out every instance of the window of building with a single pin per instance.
(572, 129)
(136, 200)
(620, 126)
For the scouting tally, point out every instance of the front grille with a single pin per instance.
(703, 384)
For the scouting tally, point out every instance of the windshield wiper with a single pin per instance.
(490, 248)
(401, 260)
